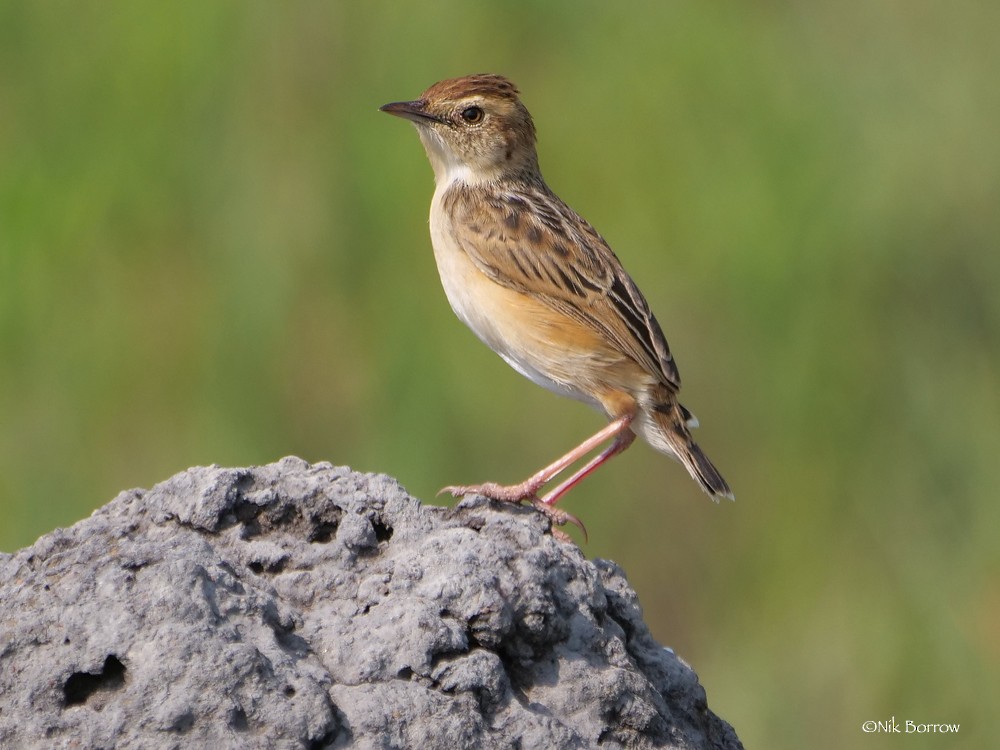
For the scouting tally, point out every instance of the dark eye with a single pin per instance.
(472, 114)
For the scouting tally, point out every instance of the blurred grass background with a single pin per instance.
(213, 248)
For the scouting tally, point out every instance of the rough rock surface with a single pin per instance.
(310, 606)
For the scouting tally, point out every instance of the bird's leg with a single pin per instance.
(560, 517)
(528, 489)
(622, 441)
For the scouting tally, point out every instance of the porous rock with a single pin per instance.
(311, 606)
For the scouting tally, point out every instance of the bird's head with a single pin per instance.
(475, 129)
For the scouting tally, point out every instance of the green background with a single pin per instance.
(214, 249)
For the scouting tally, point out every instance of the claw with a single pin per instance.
(560, 517)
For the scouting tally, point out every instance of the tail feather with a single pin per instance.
(704, 471)
(667, 431)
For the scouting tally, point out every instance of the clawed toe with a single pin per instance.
(560, 517)
(506, 493)
(461, 490)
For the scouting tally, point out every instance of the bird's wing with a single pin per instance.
(530, 241)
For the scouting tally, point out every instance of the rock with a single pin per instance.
(310, 606)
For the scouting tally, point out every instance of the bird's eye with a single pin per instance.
(472, 115)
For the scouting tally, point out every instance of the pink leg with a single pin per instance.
(622, 441)
(528, 489)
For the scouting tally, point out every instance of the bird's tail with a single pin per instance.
(665, 426)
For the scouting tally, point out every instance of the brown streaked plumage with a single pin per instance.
(539, 285)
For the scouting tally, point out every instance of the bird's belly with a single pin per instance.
(545, 346)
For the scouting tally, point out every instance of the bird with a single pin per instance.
(541, 287)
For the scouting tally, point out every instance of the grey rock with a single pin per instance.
(310, 606)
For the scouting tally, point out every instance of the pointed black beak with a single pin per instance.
(415, 111)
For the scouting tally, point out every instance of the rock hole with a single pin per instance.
(323, 533)
(81, 685)
(289, 691)
(323, 742)
(259, 567)
(383, 532)
(238, 720)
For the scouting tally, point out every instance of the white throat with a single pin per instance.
(448, 168)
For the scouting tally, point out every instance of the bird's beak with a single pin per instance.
(415, 111)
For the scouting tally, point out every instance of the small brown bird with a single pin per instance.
(538, 285)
